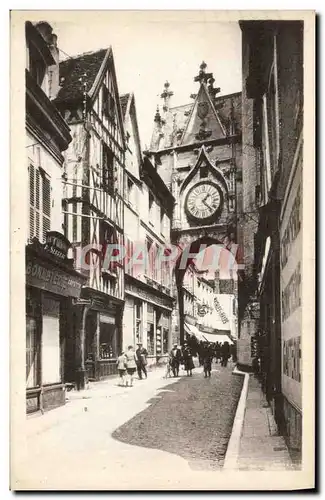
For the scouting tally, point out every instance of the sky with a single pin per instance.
(151, 47)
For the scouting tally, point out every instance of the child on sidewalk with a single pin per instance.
(121, 366)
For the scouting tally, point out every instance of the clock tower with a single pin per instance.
(197, 150)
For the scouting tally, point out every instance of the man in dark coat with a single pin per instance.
(225, 354)
(141, 355)
(207, 360)
(175, 359)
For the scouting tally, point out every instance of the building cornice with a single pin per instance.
(44, 112)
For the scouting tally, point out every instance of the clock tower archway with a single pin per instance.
(197, 151)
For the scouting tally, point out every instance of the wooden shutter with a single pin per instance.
(31, 201)
(46, 199)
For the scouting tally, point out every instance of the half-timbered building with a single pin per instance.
(93, 208)
(52, 283)
(148, 210)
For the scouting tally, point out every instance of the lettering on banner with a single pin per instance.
(220, 311)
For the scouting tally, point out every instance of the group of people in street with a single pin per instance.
(206, 352)
(131, 361)
(179, 357)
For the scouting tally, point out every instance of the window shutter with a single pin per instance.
(37, 201)
(31, 223)
(46, 195)
(37, 228)
(31, 201)
(32, 185)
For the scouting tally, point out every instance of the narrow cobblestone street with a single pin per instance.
(83, 440)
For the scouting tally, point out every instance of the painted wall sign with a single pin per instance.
(57, 244)
(144, 295)
(47, 277)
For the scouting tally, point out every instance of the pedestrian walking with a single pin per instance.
(225, 354)
(188, 360)
(175, 357)
(141, 356)
(207, 360)
(121, 367)
(218, 351)
(131, 363)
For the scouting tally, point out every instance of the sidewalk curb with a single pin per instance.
(237, 428)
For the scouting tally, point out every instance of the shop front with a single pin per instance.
(51, 286)
(98, 326)
(148, 319)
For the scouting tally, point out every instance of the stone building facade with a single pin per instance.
(273, 96)
(197, 150)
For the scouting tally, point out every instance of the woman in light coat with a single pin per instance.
(131, 363)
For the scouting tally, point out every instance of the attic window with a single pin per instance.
(108, 104)
(203, 172)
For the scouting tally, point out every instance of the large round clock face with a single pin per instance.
(203, 201)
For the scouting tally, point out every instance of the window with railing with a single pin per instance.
(39, 203)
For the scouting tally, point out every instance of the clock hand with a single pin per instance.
(208, 206)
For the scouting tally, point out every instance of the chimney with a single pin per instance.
(46, 30)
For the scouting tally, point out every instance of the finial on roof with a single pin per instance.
(203, 77)
(166, 95)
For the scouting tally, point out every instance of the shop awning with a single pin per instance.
(212, 337)
(193, 330)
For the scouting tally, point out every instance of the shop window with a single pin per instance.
(150, 330)
(51, 350)
(159, 337)
(107, 169)
(138, 321)
(150, 339)
(32, 339)
(165, 340)
(107, 341)
(31, 352)
(39, 203)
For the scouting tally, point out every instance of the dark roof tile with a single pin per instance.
(73, 69)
